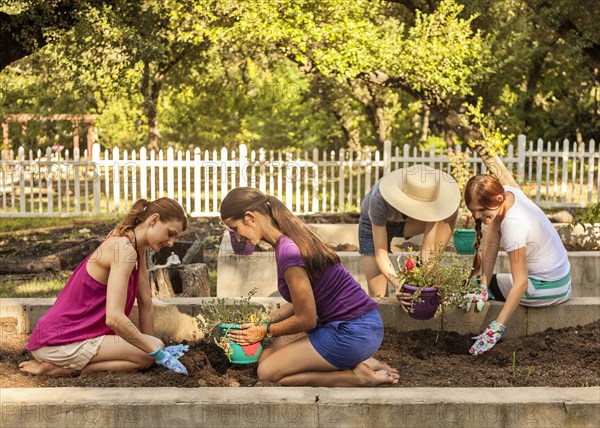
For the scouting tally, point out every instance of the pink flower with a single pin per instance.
(409, 265)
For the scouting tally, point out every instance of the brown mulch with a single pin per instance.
(555, 358)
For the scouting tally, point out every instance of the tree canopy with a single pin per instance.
(304, 73)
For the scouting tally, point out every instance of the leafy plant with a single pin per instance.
(239, 311)
(224, 311)
(515, 371)
(445, 271)
(590, 214)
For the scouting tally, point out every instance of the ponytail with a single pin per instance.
(168, 209)
(316, 254)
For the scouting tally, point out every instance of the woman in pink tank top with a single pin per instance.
(88, 328)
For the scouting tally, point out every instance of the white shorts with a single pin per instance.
(535, 297)
(73, 356)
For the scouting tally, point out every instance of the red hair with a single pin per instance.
(484, 190)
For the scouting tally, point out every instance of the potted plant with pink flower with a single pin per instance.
(441, 284)
(220, 316)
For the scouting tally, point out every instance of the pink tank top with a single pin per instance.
(79, 312)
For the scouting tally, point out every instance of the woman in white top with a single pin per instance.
(540, 273)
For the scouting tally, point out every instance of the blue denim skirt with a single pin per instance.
(365, 235)
(344, 344)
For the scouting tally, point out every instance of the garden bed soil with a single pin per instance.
(555, 358)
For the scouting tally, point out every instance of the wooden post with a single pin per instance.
(75, 124)
(171, 173)
(91, 138)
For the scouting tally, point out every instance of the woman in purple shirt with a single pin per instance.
(88, 329)
(328, 331)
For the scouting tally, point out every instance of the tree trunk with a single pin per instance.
(449, 139)
(151, 107)
(18, 265)
(325, 92)
(182, 280)
(382, 125)
(70, 258)
(475, 140)
(194, 254)
(425, 123)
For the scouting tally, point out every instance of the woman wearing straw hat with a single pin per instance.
(404, 203)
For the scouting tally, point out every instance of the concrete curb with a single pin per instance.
(175, 318)
(310, 407)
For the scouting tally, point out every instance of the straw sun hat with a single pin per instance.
(421, 192)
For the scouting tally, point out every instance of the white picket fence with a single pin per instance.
(60, 184)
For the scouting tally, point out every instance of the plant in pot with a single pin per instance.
(437, 286)
(218, 317)
(464, 234)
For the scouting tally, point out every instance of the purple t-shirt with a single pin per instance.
(338, 296)
(79, 312)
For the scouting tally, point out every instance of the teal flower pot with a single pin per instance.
(237, 353)
(464, 241)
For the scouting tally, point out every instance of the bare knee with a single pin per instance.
(142, 360)
(264, 372)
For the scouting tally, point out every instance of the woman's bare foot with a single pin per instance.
(369, 377)
(43, 369)
(379, 365)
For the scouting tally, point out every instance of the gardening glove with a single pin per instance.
(177, 351)
(165, 359)
(478, 298)
(486, 340)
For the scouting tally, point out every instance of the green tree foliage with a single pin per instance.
(304, 73)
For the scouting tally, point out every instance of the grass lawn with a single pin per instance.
(34, 287)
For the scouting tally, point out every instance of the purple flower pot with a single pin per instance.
(427, 307)
(241, 248)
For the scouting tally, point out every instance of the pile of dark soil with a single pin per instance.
(556, 358)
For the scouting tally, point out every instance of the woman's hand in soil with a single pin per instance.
(486, 340)
(404, 299)
(165, 359)
(248, 333)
